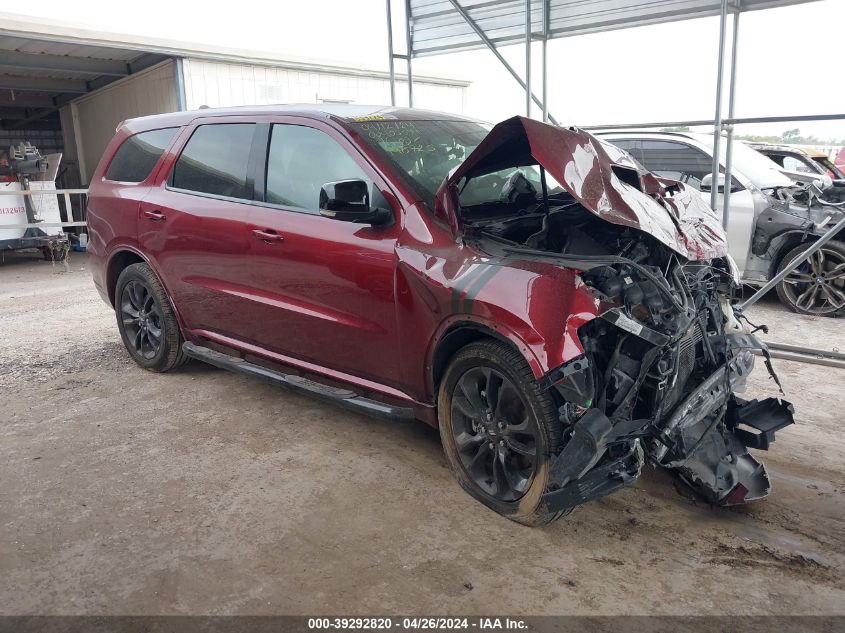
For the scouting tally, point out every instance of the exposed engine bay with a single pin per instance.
(660, 367)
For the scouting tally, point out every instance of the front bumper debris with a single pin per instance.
(602, 480)
(704, 444)
(767, 416)
(705, 440)
(574, 475)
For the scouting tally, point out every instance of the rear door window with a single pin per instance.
(625, 143)
(300, 161)
(136, 157)
(677, 161)
(215, 161)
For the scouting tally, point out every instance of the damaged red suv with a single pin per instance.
(562, 315)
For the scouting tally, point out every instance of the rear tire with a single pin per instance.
(488, 397)
(817, 286)
(146, 321)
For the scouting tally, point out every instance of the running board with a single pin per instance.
(344, 397)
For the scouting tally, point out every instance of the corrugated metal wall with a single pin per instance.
(95, 116)
(89, 122)
(218, 84)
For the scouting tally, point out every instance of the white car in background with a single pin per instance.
(766, 229)
(805, 165)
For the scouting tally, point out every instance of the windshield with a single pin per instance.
(425, 151)
(508, 185)
(762, 171)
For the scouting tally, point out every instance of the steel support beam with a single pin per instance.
(717, 122)
(545, 61)
(62, 63)
(730, 121)
(390, 60)
(729, 142)
(148, 60)
(774, 281)
(810, 359)
(43, 84)
(408, 40)
(528, 58)
(798, 349)
(483, 37)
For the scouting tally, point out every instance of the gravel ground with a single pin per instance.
(204, 492)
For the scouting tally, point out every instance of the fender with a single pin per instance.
(543, 328)
(436, 359)
(125, 247)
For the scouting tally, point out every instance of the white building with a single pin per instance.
(66, 88)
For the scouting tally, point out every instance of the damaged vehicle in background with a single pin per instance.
(562, 315)
(773, 219)
(805, 165)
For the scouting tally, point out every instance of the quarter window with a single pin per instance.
(215, 160)
(300, 161)
(136, 157)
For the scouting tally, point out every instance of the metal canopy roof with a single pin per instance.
(46, 63)
(437, 26)
(37, 75)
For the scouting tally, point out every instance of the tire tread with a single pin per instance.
(173, 340)
(543, 403)
(792, 254)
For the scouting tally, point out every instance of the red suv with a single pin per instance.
(559, 313)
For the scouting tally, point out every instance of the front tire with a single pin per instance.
(817, 285)
(499, 431)
(146, 321)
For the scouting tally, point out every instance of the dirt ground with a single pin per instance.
(203, 492)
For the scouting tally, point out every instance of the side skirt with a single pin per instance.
(343, 397)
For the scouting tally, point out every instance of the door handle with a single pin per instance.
(267, 235)
(155, 216)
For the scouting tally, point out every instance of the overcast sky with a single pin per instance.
(790, 59)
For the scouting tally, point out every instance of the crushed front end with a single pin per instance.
(662, 355)
(658, 382)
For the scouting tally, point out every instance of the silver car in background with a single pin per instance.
(769, 222)
(805, 165)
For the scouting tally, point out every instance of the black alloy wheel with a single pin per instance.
(146, 320)
(142, 319)
(495, 437)
(500, 430)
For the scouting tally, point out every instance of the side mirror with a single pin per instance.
(823, 182)
(707, 183)
(349, 201)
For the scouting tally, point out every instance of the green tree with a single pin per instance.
(790, 136)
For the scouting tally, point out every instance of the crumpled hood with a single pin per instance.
(604, 180)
